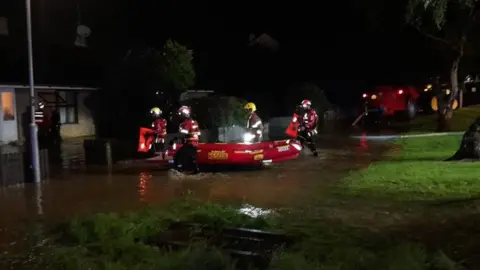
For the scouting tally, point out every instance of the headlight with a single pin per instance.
(248, 137)
(297, 146)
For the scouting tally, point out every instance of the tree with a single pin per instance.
(310, 91)
(218, 112)
(146, 77)
(174, 66)
(450, 23)
(168, 71)
(470, 146)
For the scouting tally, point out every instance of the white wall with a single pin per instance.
(85, 125)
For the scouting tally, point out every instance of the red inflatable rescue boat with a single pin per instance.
(242, 154)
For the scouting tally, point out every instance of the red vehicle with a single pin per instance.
(392, 101)
(242, 154)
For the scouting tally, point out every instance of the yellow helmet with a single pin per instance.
(250, 106)
(156, 111)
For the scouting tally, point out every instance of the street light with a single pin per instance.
(33, 125)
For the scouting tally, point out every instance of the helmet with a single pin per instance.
(155, 111)
(306, 104)
(250, 106)
(184, 111)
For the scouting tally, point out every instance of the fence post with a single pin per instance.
(108, 154)
(3, 178)
(45, 167)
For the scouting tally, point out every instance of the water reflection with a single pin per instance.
(79, 192)
(253, 211)
(144, 178)
(38, 198)
(363, 142)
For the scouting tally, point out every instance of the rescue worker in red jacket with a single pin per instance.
(159, 126)
(308, 125)
(42, 121)
(254, 124)
(189, 127)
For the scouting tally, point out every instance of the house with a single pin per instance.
(76, 118)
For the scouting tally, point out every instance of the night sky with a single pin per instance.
(342, 45)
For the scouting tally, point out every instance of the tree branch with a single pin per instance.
(438, 39)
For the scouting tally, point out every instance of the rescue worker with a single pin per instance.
(42, 124)
(39, 114)
(308, 125)
(185, 160)
(55, 124)
(189, 127)
(254, 123)
(159, 126)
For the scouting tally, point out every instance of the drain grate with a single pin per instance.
(248, 247)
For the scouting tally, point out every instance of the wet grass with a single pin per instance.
(419, 172)
(110, 241)
(462, 119)
(430, 200)
(412, 211)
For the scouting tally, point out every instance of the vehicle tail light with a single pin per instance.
(400, 91)
(364, 95)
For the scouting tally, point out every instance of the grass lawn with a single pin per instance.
(461, 120)
(419, 172)
(393, 215)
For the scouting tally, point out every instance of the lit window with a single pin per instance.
(68, 115)
(67, 107)
(8, 106)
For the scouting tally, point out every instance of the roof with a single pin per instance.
(50, 87)
(264, 40)
(192, 94)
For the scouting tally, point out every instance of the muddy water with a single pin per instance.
(75, 193)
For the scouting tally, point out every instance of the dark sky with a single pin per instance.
(333, 44)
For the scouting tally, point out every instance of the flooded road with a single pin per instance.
(73, 193)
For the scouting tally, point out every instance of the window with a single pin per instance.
(67, 107)
(3, 26)
(68, 115)
(8, 106)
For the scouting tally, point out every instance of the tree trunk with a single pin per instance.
(470, 146)
(445, 113)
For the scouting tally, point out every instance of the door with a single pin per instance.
(8, 116)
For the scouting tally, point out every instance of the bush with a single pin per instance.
(110, 241)
(113, 241)
(219, 111)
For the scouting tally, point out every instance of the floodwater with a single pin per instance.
(80, 192)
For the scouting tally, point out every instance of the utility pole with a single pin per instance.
(33, 126)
